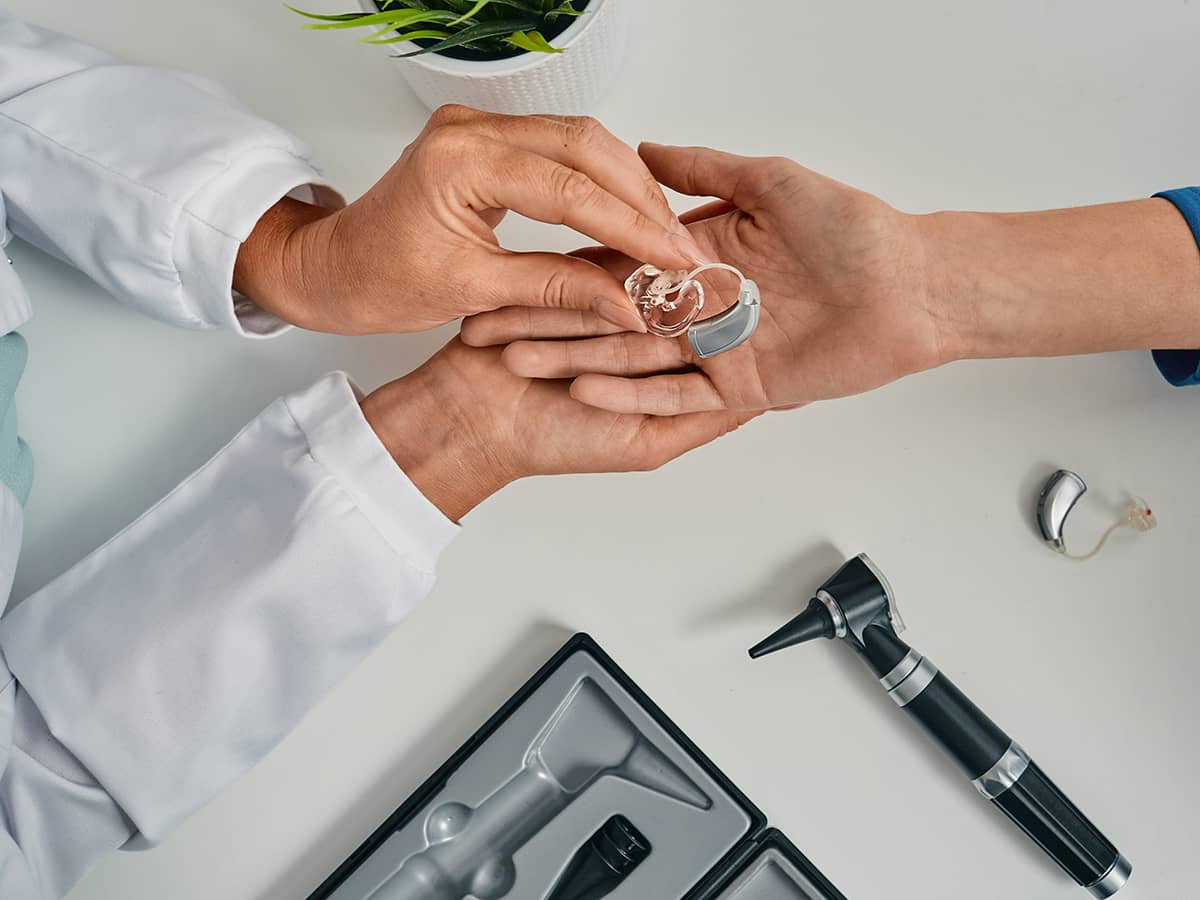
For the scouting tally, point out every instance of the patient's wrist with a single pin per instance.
(1119, 276)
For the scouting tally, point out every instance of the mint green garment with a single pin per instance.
(16, 462)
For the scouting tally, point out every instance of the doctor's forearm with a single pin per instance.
(1121, 276)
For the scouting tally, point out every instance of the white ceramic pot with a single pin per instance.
(568, 83)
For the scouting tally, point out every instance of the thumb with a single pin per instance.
(702, 172)
(554, 281)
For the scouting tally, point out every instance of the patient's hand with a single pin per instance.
(846, 304)
(462, 426)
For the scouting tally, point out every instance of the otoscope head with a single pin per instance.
(855, 596)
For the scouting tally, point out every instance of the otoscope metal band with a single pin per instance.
(835, 613)
(1004, 774)
(907, 690)
(1113, 880)
(903, 669)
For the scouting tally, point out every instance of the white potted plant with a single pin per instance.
(508, 56)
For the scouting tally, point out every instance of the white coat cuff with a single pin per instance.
(205, 254)
(342, 442)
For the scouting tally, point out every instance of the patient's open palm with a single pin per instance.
(842, 278)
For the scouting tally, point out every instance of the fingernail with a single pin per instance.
(686, 244)
(623, 315)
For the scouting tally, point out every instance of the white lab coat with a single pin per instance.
(172, 659)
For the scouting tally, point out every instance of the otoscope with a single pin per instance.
(600, 866)
(857, 606)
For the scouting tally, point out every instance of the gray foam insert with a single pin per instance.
(771, 876)
(499, 804)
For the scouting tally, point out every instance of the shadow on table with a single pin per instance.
(778, 597)
(460, 721)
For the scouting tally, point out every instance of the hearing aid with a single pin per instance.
(1061, 492)
(671, 300)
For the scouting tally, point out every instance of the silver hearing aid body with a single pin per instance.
(1059, 496)
(671, 301)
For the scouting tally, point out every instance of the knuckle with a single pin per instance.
(554, 289)
(652, 189)
(448, 140)
(674, 395)
(621, 361)
(589, 128)
(640, 222)
(573, 187)
(450, 113)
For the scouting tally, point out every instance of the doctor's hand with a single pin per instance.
(419, 249)
(462, 427)
(856, 293)
(844, 282)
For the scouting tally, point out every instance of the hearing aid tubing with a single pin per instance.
(857, 606)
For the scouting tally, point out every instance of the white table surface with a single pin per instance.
(932, 104)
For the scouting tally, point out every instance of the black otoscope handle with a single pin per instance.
(996, 764)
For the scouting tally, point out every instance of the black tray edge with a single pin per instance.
(721, 878)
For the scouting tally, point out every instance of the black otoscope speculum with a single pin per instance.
(857, 605)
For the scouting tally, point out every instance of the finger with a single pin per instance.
(617, 354)
(558, 282)
(616, 264)
(582, 143)
(707, 211)
(702, 172)
(666, 438)
(578, 142)
(528, 323)
(542, 189)
(659, 395)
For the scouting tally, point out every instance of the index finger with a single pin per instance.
(550, 192)
(578, 142)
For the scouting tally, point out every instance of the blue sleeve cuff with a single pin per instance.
(1182, 367)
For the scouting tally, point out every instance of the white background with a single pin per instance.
(1022, 104)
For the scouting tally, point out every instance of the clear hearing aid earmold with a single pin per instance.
(671, 300)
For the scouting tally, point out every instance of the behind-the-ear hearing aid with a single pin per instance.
(1059, 496)
(670, 302)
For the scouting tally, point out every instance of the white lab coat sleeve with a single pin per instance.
(146, 180)
(172, 659)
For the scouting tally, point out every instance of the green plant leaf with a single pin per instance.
(529, 6)
(393, 38)
(563, 9)
(531, 41)
(343, 17)
(396, 18)
(471, 13)
(475, 33)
